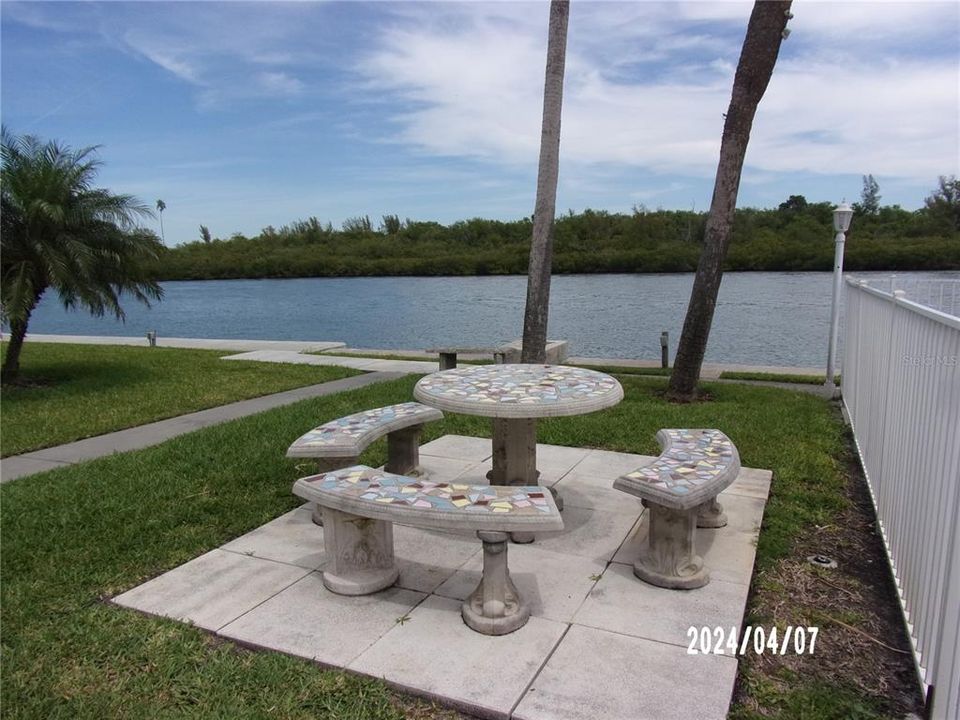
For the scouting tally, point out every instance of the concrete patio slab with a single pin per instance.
(562, 456)
(555, 584)
(751, 482)
(292, 538)
(446, 467)
(602, 464)
(458, 447)
(213, 589)
(435, 654)
(599, 644)
(598, 674)
(591, 533)
(590, 491)
(308, 620)
(551, 471)
(427, 558)
(623, 604)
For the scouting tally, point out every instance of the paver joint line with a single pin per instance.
(540, 669)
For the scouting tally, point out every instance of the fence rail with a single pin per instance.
(942, 295)
(901, 392)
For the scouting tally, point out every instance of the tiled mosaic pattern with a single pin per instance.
(350, 429)
(692, 458)
(519, 384)
(382, 487)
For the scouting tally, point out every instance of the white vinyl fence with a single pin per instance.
(901, 391)
(942, 295)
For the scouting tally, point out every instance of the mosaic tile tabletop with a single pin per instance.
(350, 435)
(519, 390)
(377, 493)
(694, 464)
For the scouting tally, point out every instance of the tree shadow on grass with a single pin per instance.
(39, 381)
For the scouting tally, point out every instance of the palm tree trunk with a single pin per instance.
(541, 244)
(11, 364)
(757, 59)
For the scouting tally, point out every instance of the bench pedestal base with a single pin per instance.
(670, 560)
(359, 554)
(403, 451)
(495, 607)
(711, 515)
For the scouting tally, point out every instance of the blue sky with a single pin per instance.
(243, 115)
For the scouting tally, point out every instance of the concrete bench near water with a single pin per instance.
(680, 490)
(556, 353)
(360, 505)
(338, 443)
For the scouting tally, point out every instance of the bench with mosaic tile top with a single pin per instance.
(338, 443)
(360, 505)
(680, 490)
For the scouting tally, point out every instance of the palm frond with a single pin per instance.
(60, 231)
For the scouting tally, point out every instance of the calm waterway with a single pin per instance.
(761, 318)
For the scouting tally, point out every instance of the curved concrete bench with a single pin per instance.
(361, 504)
(338, 443)
(680, 490)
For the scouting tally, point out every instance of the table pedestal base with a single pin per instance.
(515, 460)
(514, 452)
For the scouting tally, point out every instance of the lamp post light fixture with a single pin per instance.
(842, 215)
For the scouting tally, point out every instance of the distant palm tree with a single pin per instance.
(161, 206)
(541, 244)
(60, 232)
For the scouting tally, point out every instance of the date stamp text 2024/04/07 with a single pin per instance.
(798, 640)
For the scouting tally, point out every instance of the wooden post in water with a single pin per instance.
(664, 349)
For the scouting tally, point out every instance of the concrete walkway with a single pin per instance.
(599, 644)
(154, 433)
(193, 343)
(365, 364)
(285, 350)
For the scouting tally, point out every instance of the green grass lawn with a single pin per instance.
(76, 536)
(630, 370)
(78, 391)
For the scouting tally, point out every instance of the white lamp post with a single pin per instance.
(842, 215)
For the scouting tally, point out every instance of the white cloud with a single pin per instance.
(279, 83)
(168, 60)
(848, 95)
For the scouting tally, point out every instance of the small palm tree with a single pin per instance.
(161, 206)
(60, 232)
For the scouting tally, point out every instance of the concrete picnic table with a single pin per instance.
(515, 395)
